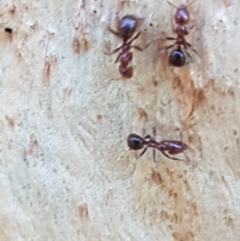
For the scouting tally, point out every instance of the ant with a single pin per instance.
(173, 147)
(182, 17)
(126, 28)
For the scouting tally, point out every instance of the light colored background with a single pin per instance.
(65, 170)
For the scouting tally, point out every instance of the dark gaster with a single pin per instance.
(177, 58)
(135, 142)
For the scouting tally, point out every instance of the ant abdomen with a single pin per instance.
(126, 72)
(135, 142)
(127, 26)
(177, 58)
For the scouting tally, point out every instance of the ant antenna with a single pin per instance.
(172, 4)
(181, 138)
(189, 4)
(189, 127)
(144, 150)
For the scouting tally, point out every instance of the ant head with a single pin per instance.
(182, 15)
(177, 58)
(126, 73)
(127, 26)
(135, 142)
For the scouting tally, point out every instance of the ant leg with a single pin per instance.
(144, 150)
(166, 48)
(138, 34)
(170, 38)
(195, 51)
(154, 155)
(153, 40)
(190, 46)
(193, 25)
(113, 31)
(117, 58)
(136, 47)
(190, 58)
(186, 156)
(110, 29)
(154, 151)
(147, 139)
(172, 25)
(190, 127)
(114, 51)
(189, 55)
(166, 155)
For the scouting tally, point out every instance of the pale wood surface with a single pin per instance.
(65, 169)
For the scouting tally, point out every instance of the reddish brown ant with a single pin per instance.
(172, 147)
(177, 56)
(126, 28)
(182, 17)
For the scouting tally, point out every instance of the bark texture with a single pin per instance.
(65, 170)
